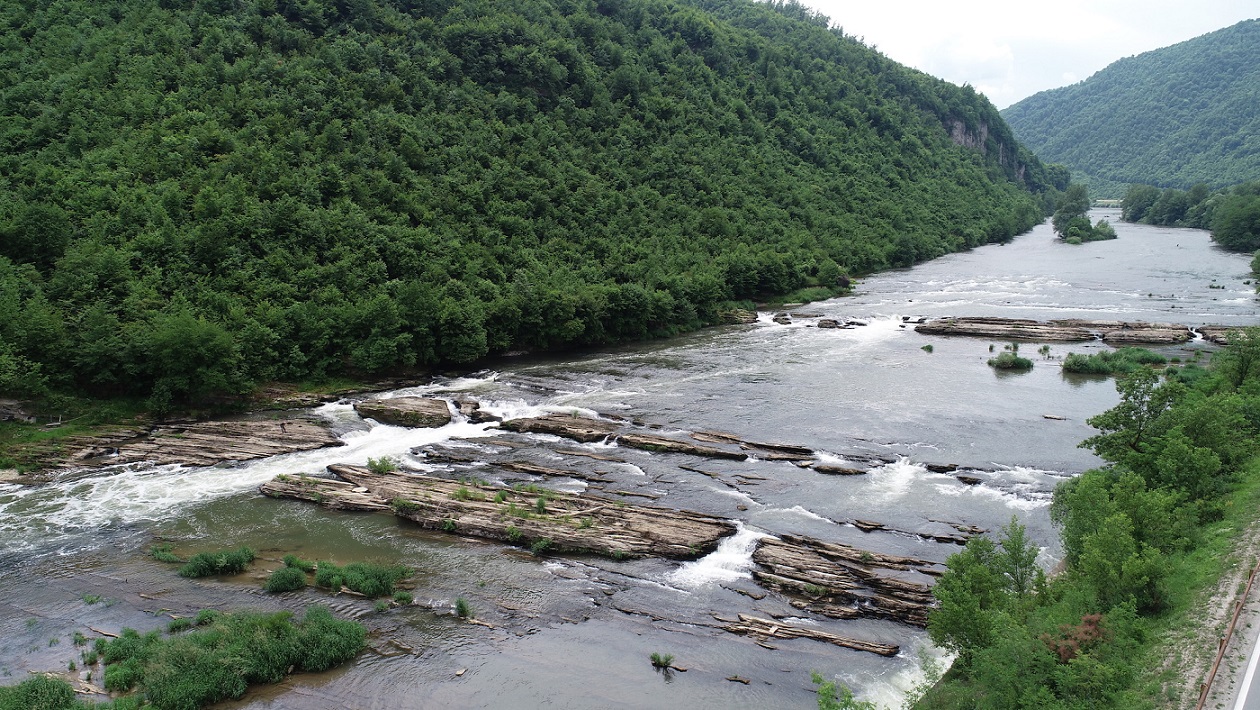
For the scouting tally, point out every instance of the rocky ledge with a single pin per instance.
(560, 522)
(191, 444)
(1068, 330)
(406, 411)
(844, 582)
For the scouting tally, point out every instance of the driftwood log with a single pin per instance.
(562, 522)
(766, 629)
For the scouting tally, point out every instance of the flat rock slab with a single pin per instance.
(328, 492)
(842, 581)
(406, 411)
(766, 629)
(1065, 330)
(207, 443)
(582, 429)
(590, 430)
(564, 521)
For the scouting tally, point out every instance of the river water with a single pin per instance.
(576, 632)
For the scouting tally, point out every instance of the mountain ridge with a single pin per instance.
(1172, 117)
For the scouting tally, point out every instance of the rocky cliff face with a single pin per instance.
(979, 140)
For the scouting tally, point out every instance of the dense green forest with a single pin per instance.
(1233, 214)
(1173, 117)
(199, 195)
(1141, 537)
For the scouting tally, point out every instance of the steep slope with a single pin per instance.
(197, 195)
(1173, 117)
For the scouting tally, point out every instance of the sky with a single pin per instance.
(1012, 49)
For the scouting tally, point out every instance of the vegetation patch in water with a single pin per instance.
(218, 662)
(1112, 362)
(206, 564)
(285, 579)
(366, 578)
(1010, 361)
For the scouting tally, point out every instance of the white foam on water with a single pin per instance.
(630, 468)
(732, 560)
(56, 512)
(893, 480)
(442, 384)
(798, 510)
(1011, 499)
(737, 495)
(833, 459)
(890, 691)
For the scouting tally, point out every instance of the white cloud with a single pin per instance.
(1011, 51)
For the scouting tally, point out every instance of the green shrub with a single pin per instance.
(219, 662)
(206, 564)
(180, 624)
(206, 616)
(927, 348)
(366, 578)
(403, 598)
(162, 553)
(402, 506)
(462, 608)
(39, 692)
(381, 606)
(1010, 361)
(662, 660)
(382, 465)
(540, 546)
(285, 579)
(297, 563)
(1111, 362)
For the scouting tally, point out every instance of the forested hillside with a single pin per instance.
(199, 195)
(1174, 117)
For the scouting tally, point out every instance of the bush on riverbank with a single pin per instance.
(221, 660)
(1111, 362)
(1141, 537)
(43, 692)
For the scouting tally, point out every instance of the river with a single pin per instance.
(576, 632)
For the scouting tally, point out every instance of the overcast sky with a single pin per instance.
(1010, 50)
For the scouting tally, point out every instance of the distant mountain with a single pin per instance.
(1172, 117)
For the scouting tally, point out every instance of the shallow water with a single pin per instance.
(573, 632)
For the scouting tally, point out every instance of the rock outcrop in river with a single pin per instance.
(560, 522)
(1067, 330)
(406, 411)
(191, 444)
